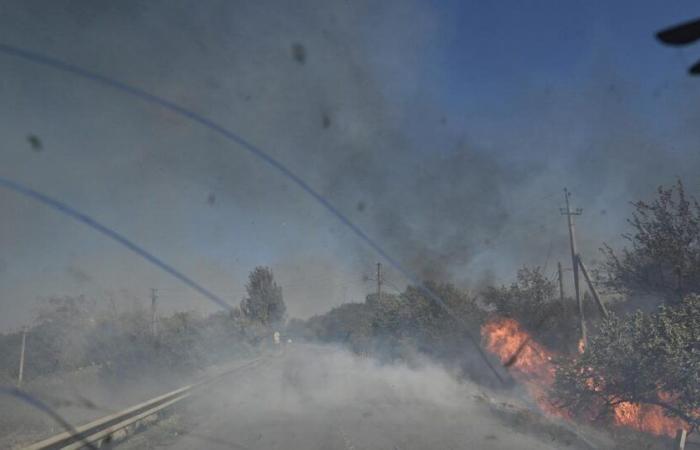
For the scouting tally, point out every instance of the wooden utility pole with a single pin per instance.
(574, 260)
(21, 357)
(154, 299)
(379, 282)
(591, 287)
(561, 282)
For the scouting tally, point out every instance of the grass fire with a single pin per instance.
(535, 367)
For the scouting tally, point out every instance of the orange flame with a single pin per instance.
(531, 364)
(505, 338)
(647, 418)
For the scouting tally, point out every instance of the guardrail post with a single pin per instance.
(679, 441)
(20, 376)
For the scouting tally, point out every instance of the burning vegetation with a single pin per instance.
(548, 378)
(530, 363)
(640, 367)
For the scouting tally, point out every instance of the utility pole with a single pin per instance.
(154, 298)
(21, 357)
(561, 282)
(574, 260)
(591, 287)
(379, 282)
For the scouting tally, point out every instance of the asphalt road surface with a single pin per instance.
(312, 397)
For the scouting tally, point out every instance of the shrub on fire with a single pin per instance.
(640, 370)
(533, 300)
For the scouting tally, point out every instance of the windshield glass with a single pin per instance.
(333, 224)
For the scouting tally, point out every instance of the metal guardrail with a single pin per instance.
(116, 426)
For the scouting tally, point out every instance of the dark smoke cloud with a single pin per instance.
(338, 91)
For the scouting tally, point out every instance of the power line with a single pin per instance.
(549, 252)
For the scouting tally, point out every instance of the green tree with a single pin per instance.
(663, 259)
(648, 358)
(264, 303)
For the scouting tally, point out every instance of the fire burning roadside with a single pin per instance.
(534, 366)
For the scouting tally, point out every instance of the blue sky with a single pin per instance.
(450, 129)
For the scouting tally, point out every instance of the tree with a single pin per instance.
(645, 358)
(663, 260)
(264, 303)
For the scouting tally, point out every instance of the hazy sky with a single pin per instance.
(445, 129)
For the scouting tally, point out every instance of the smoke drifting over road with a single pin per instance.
(319, 397)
